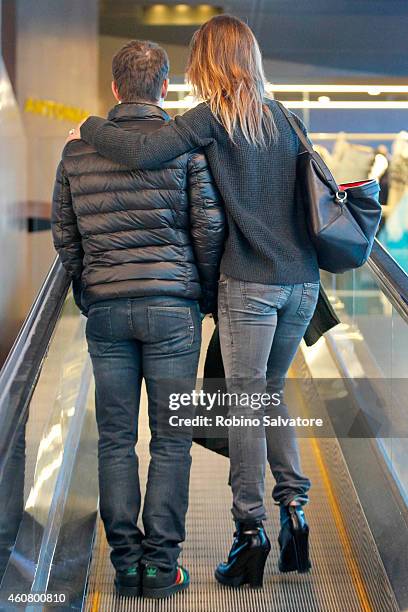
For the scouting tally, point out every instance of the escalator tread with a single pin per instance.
(347, 573)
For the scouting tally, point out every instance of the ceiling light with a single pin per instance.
(179, 87)
(323, 99)
(178, 14)
(304, 104)
(178, 104)
(324, 88)
(347, 105)
(373, 90)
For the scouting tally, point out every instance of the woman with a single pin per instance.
(269, 280)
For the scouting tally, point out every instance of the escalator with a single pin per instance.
(52, 542)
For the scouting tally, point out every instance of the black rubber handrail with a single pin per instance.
(391, 277)
(22, 368)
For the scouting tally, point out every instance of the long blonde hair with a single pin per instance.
(225, 69)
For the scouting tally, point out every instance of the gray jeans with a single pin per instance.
(261, 327)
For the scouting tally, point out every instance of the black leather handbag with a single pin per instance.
(342, 219)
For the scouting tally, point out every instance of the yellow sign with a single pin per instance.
(55, 110)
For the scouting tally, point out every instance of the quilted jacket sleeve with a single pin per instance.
(66, 236)
(207, 220)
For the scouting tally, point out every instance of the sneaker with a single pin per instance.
(129, 583)
(158, 582)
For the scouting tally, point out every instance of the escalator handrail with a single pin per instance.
(392, 278)
(23, 364)
(28, 323)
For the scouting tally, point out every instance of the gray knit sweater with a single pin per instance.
(267, 239)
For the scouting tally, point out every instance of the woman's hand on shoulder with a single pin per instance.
(75, 133)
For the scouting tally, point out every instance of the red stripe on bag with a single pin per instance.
(346, 186)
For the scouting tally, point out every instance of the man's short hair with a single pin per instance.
(139, 69)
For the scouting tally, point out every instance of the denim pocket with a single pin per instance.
(308, 300)
(99, 330)
(261, 298)
(171, 326)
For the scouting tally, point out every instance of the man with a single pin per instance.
(144, 247)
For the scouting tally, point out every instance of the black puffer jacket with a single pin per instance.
(138, 233)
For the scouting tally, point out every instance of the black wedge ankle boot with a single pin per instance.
(293, 540)
(247, 557)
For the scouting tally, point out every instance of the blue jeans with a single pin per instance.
(261, 327)
(158, 339)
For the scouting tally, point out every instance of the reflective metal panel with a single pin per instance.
(35, 487)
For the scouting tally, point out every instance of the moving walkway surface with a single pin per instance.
(52, 540)
(342, 578)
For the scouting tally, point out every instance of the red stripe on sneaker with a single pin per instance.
(180, 576)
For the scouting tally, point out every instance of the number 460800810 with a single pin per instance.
(27, 598)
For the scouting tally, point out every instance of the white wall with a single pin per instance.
(13, 238)
(57, 59)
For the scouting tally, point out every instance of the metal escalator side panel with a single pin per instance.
(58, 433)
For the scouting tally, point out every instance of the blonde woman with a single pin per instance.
(269, 279)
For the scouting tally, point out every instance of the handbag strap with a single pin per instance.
(296, 128)
(331, 182)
